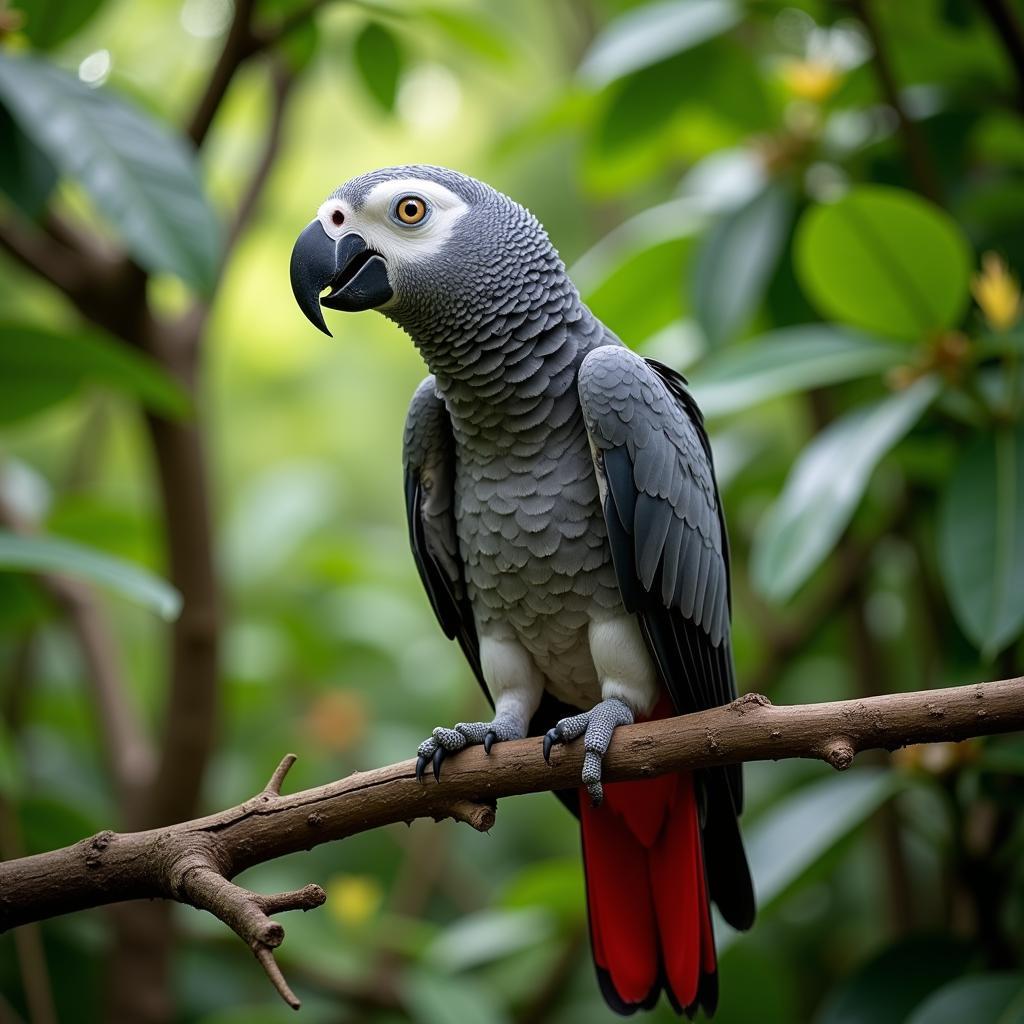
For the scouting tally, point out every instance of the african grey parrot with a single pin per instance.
(566, 524)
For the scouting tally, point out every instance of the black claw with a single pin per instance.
(551, 737)
(438, 758)
(421, 763)
(489, 741)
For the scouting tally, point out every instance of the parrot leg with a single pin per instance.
(443, 741)
(596, 727)
(517, 686)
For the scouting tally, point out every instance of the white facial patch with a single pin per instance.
(398, 243)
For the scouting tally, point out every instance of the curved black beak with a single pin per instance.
(356, 275)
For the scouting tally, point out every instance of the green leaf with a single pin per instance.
(825, 486)
(985, 998)
(981, 540)
(142, 177)
(49, 22)
(53, 554)
(787, 361)
(489, 935)
(378, 59)
(886, 260)
(790, 838)
(27, 177)
(433, 998)
(652, 273)
(648, 34)
(890, 986)
(470, 32)
(555, 885)
(39, 367)
(735, 262)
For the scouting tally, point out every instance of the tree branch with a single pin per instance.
(44, 255)
(126, 747)
(921, 167)
(242, 42)
(194, 862)
(239, 45)
(281, 81)
(1008, 28)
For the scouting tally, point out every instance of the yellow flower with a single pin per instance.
(997, 292)
(353, 899)
(808, 79)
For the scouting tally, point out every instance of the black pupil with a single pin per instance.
(411, 209)
(338, 217)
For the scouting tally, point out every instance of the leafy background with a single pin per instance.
(816, 210)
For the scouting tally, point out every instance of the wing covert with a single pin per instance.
(429, 457)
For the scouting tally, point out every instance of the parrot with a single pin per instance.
(566, 524)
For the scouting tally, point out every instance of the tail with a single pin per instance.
(648, 897)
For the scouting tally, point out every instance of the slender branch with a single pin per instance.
(44, 255)
(281, 80)
(242, 42)
(271, 36)
(239, 44)
(126, 747)
(921, 167)
(1008, 28)
(194, 862)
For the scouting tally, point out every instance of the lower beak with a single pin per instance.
(356, 275)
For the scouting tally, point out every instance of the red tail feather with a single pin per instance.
(650, 923)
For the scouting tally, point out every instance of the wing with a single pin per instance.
(429, 457)
(428, 453)
(671, 555)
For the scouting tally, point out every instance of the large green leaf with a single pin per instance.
(141, 176)
(53, 554)
(787, 361)
(39, 367)
(471, 32)
(982, 998)
(378, 59)
(647, 34)
(886, 260)
(651, 273)
(434, 998)
(27, 176)
(981, 540)
(791, 837)
(888, 988)
(489, 935)
(736, 260)
(50, 22)
(825, 486)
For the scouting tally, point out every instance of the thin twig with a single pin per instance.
(39, 252)
(281, 80)
(126, 748)
(239, 44)
(921, 167)
(1008, 28)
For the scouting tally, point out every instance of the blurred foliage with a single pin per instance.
(736, 195)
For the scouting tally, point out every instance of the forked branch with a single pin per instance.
(195, 861)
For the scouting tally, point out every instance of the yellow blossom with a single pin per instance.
(353, 899)
(811, 80)
(997, 292)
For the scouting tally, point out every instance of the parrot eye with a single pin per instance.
(410, 209)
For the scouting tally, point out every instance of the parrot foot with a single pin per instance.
(596, 727)
(442, 742)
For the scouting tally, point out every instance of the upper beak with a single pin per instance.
(357, 275)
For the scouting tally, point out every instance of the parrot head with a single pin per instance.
(418, 243)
